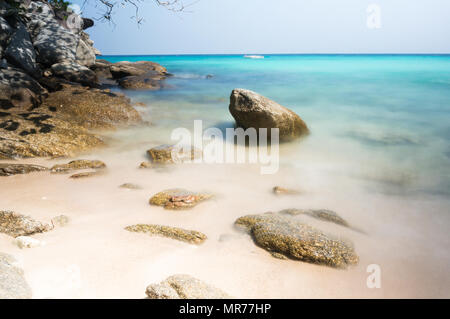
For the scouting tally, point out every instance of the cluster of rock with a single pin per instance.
(52, 91)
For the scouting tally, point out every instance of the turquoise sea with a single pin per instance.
(385, 118)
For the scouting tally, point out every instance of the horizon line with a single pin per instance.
(240, 54)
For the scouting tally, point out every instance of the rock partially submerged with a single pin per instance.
(77, 165)
(7, 169)
(12, 281)
(27, 242)
(251, 109)
(189, 236)
(278, 190)
(130, 186)
(184, 287)
(169, 154)
(14, 224)
(86, 174)
(178, 198)
(287, 236)
(321, 214)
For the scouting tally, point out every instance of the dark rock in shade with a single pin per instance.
(178, 198)
(322, 214)
(102, 69)
(5, 32)
(12, 281)
(189, 236)
(285, 235)
(77, 165)
(14, 169)
(18, 89)
(75, 72)
(251, 109)
(87, 23)
(20, 51)
(184, 287)
(15, 225)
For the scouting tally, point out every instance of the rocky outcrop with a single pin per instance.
(75, 72)
(78, 165)
(15, 225)
(7, 169)
(12, 281)
(189, 236)
(251, 109)
(184, 287)
(287, 236)
(18, 89)
(178, 198)
(20, 51)
(93, 108)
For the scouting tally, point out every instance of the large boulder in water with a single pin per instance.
(284, 235)
(251, 109)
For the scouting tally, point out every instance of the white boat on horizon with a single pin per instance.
(254, 56)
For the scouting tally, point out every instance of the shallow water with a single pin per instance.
(378, 155)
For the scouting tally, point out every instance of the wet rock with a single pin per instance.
(93, 108)
(146, 165)
(169, 154)
(147, 81)
(86, 174)
(61, 220)
(189, 236)
(75, 72)
(184, 287)
(285, 235)
(27, 242)
(251, 109)
(178, 199)
(12, 281)
(15, 225)
(42, 134)
(321, 214)
(14, 169)
(130, 186)
(123, 69)
(77, 165)
(278, 190)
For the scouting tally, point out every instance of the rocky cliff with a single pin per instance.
(52, 88)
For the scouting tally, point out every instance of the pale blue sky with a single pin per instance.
(277, 26)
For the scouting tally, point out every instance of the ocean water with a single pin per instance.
(383, 118)
(378, 155)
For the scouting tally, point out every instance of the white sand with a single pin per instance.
(94, 257)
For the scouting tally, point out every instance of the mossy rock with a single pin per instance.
(189, 236)
(15, 225)
(287, 236)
